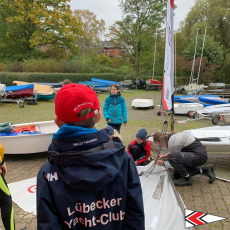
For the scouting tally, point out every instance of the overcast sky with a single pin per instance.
(109, 11)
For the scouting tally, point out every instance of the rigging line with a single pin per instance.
(163, 132)
(193, 64)
(201, 55)
(155, 53)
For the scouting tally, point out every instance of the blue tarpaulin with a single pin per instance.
(210, 101)
(203, 99)
(19, 87)
(96, 83)
(104, 81)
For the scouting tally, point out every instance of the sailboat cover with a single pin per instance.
(168, 80)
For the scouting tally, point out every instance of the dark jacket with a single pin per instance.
(89, 182)
(115, 109)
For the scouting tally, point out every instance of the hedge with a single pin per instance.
(8, 78)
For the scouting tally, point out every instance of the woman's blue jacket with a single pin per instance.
(115, 109)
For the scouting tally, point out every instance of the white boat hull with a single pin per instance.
(142, 103)
(184, 108)
(26, 144)
(222, 132)
(187, 107)
(192, 88)
(215, 110)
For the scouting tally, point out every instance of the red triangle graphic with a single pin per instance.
(194, 218)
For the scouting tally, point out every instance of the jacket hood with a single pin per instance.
(87, 169)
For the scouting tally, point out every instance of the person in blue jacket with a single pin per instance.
(89, 181)
(114, 109)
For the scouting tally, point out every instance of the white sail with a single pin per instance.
(168, 80)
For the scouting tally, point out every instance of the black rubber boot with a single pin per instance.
(208, 171)
(183, 181)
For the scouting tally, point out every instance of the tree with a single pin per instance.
(215, 14)
(92, 27)
(28, 24)
(104, 60)
(135, 32)
(207, 69)
(212, 50)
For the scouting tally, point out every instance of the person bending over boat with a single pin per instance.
(140, 148)
(114, 109)
(186, 155)
(89, 181)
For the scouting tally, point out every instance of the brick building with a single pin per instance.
(111, 49)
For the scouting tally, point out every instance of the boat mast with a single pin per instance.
(201, 55)
(155, 54)
(175, 61)
(194, 58)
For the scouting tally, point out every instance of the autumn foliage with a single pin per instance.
(27, 25)
(184, 66)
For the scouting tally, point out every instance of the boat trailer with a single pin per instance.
(19, 101)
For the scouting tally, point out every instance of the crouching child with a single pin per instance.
(89, 181)
(140, 148)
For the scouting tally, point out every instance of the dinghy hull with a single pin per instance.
(19, 91)
(26, 144)
(215, 138)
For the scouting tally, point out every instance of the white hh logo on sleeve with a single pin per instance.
(51, 177)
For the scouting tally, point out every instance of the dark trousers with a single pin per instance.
(115, 126)
(137, 154)
(6, 205)
(185, 163)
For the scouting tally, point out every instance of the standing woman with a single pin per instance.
(114, 109)
(186, 155)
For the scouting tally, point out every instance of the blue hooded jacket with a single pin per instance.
(89, 182)
(115, 109)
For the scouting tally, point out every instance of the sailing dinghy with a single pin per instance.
(185, 108)
(34, 137)
(215, 110)
(42, 91)
(215, 138)
(161, 206)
